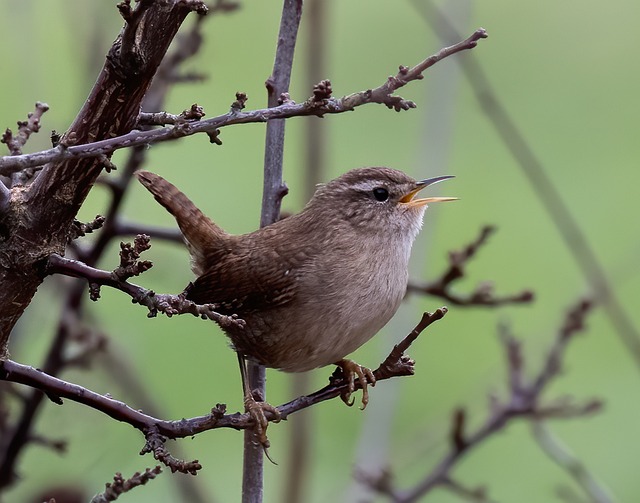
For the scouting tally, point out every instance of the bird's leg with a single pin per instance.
(256, 407)
(351, 370)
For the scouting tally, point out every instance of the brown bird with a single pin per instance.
(313, 287)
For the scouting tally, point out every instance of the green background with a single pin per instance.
(568, 74)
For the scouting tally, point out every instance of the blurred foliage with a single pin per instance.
(566, 73)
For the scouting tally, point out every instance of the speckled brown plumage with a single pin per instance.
(313, 287)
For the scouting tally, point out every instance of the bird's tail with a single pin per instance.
(200, 233)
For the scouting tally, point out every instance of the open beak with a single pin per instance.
(409, 197)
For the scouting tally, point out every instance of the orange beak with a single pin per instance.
(409, 197)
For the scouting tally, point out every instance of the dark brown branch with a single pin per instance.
(9, 164)
(81, 229)
(57, 389)
(483, 294)
(42, 214)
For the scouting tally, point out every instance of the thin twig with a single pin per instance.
(120, 485)
(313, 106)
(25, 129)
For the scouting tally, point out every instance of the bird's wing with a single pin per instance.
(243, 280)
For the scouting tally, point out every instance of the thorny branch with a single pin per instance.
(156, 430)
(483, 295)
(524, 401)
(317, 105)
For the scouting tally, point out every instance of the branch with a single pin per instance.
(195, 113)
(16, 436)
(483, 294)
(121, 485)
(155, 429)
(25, 129)
(317, 105)
(273, 191)
(384, 93)
(524, 401)
(164, 303)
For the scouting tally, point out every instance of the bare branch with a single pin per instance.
(10, 164)
(524, 401)
(120, 485)
(483, 295)
(80, 229)
(384, 93)
(25, 129)
(156, 429)
(195, 113)
(121, 228)
(155, 445)
(164, 303)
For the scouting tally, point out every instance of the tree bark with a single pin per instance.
(38, 217)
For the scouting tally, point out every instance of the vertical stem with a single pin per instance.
(300, 445)
(273, 192)
(278, 83)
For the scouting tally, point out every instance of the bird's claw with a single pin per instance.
(351, 370)
(256, 410)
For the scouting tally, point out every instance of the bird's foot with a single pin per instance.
(256, 407)
(351, 370)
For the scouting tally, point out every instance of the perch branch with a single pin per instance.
(154, 428)
(314, 106)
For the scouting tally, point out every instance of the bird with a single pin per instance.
(312, 287)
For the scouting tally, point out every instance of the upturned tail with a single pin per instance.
(200, 233)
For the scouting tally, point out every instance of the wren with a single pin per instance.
(313, 287)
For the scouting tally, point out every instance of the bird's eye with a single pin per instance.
(381, 194)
